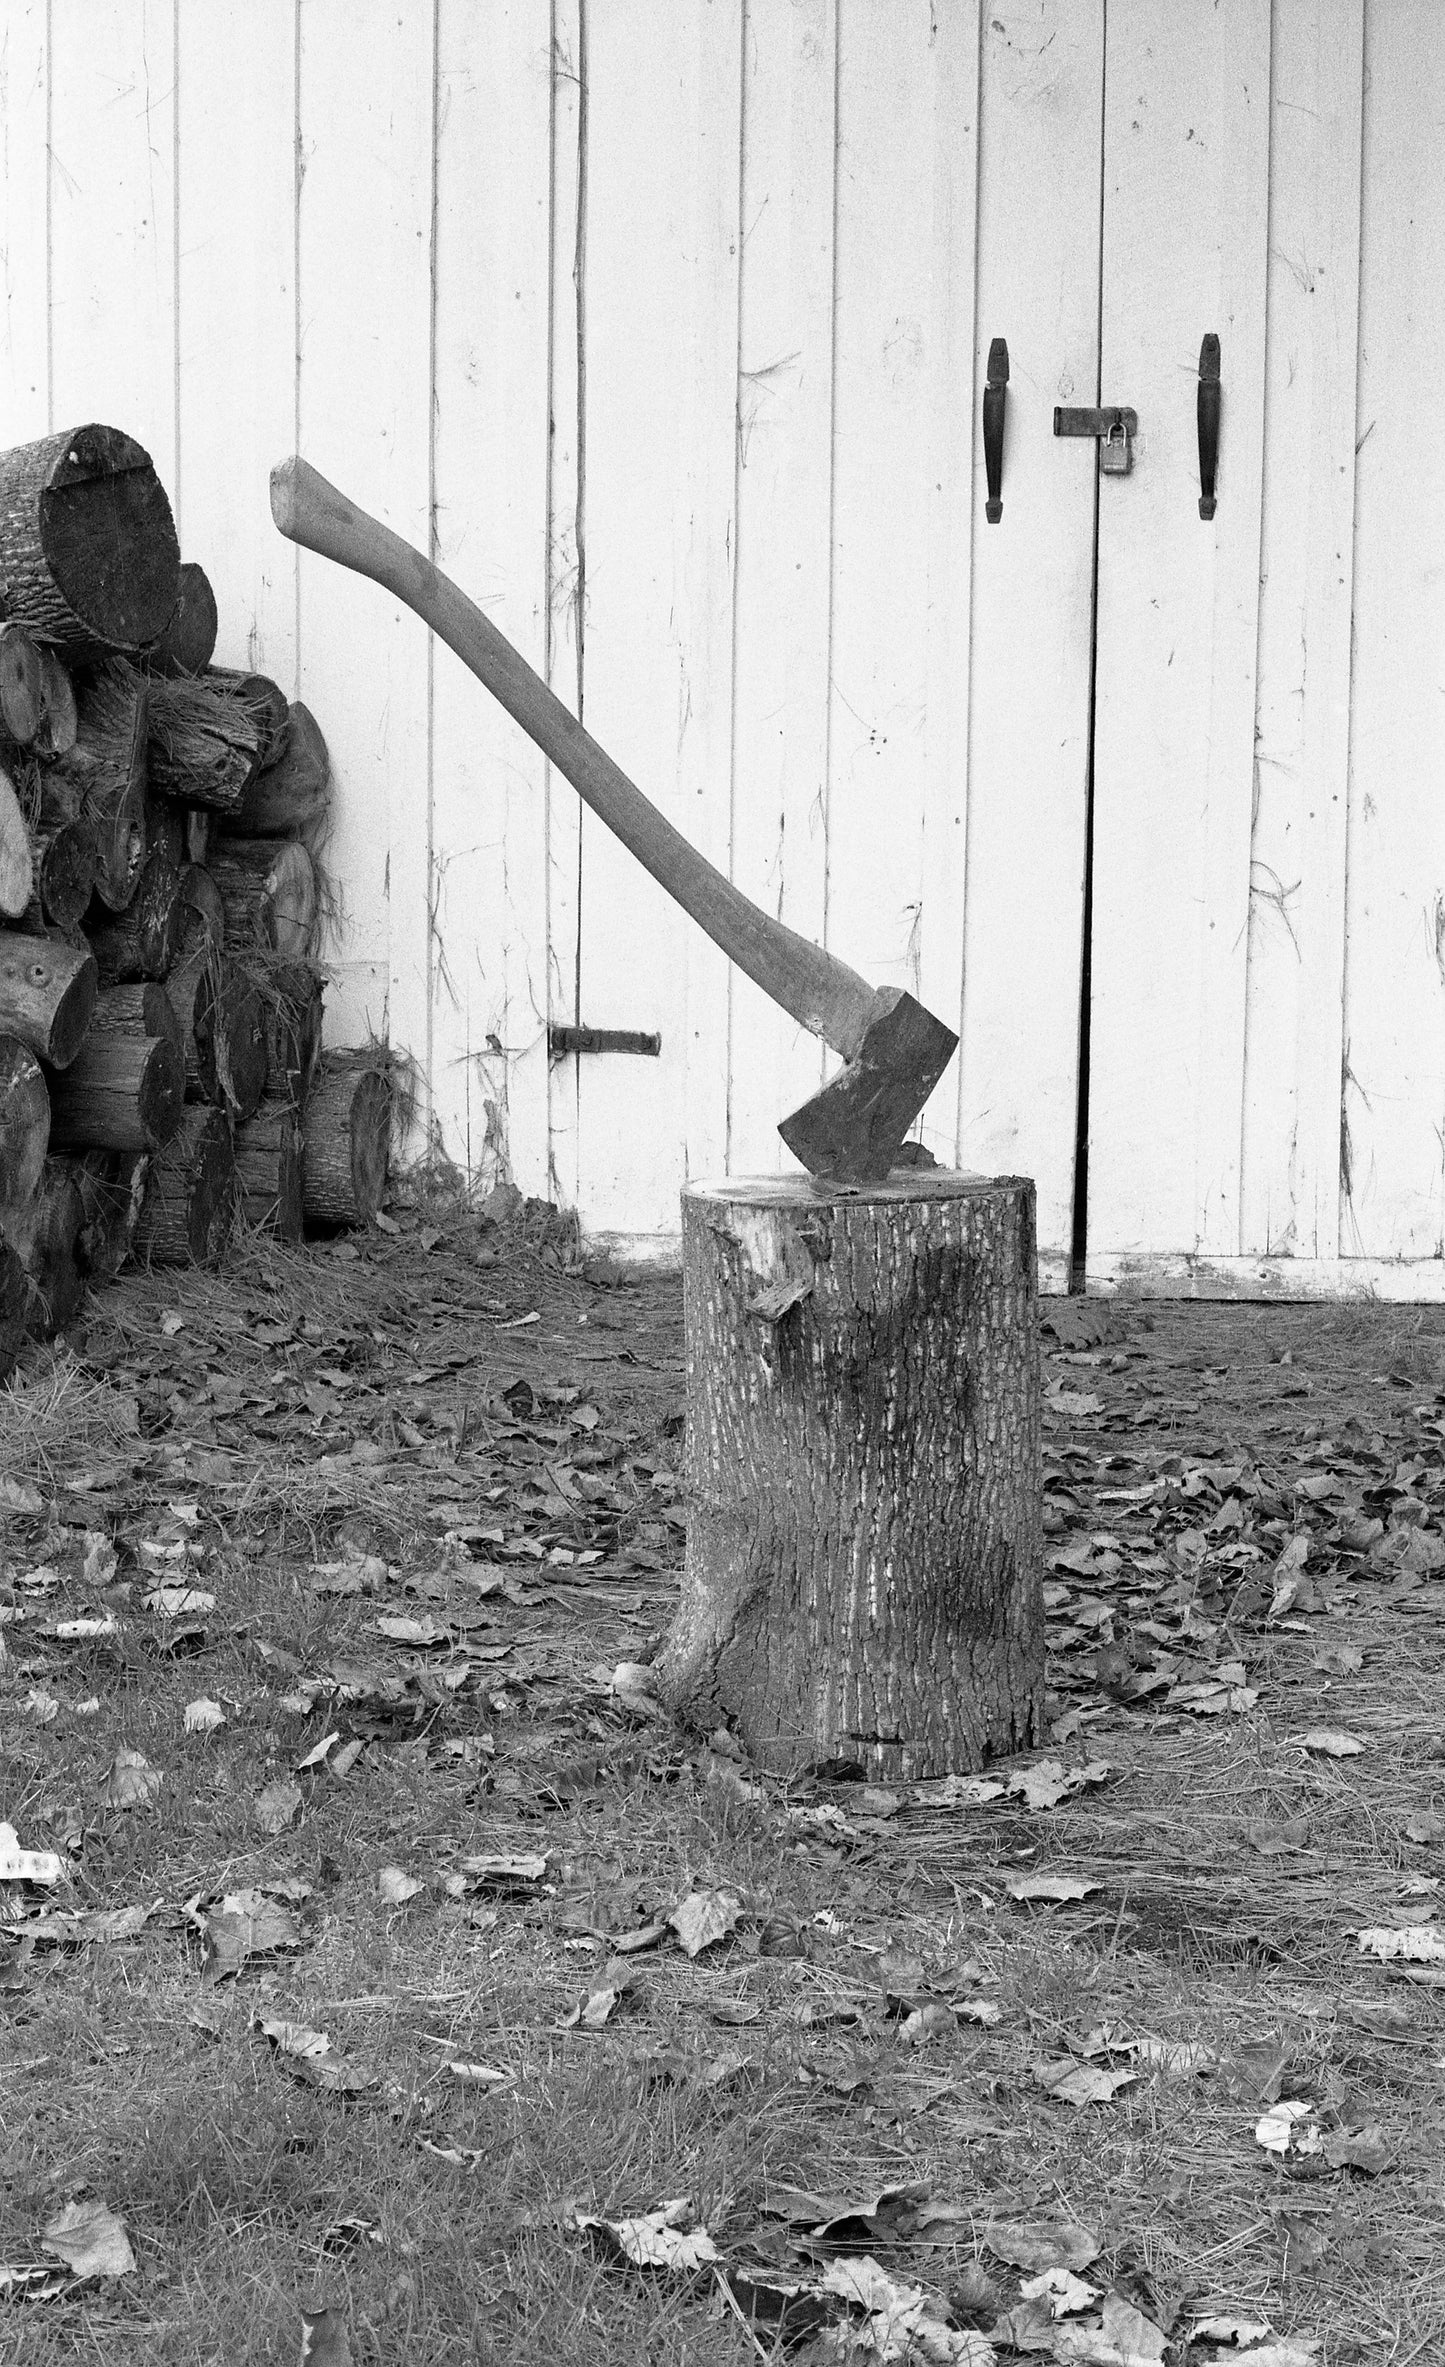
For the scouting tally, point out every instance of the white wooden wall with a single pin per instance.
(663, 328)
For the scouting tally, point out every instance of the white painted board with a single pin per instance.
(364, 346)
(1184, 251)
(24, 229)
(1041, 128)
(1290, 1175)
(489, 467)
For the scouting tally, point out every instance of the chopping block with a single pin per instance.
(864, 1484)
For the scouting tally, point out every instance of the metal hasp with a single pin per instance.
(562, 1040)
(995, 397)
(1115, 426)
(1211, 403)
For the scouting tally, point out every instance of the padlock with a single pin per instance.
(1116, 453)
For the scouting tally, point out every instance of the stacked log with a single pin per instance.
(161, 824)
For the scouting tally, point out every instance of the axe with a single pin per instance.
(895, 1051)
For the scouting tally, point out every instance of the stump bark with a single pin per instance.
(347, 1147)
(864, 1558)
(190, 1195)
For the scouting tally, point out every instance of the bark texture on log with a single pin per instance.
(268, 887)
(204, 741)
(102, 780)
(145, 939)
(24, 1120)
(291, 798)
(190, 1198)
(266, 704)
(14, 1294)
(43, 1232)
(111, 1188)
(268, 1169)
(291, 995)
(229, 1025)
(47, 993)
(120, 1093)
(188, 643)
(864, 1559)
(203, 920)
(141, 1009)
(88, 550)
(348, 1146)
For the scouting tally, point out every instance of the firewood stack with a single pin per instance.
(161, 1072)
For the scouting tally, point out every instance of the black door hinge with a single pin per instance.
(562, 1040)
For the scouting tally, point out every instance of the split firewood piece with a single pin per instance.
(111, 1186)
(200, 826)
(47, 993)
(102, 778)
(165, 825)
(190, 1197)
(188, 643)
(348, 1144)
(144, 940)
(122, 1092)
(290, 798)
(205, 742)
(88, 550)
(62, 858)
(17, 867)
(222, 1018)
(203, 922)
(291, 995)
(60, 719)
(266, 703)
(22, 686)
(43, 1233)
(268, 1169)
(268, 886)
(24, 1120)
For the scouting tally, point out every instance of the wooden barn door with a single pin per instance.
(1184, 255)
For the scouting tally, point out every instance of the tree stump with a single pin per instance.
(864, 1557)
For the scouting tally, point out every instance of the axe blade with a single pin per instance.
(853, 1130)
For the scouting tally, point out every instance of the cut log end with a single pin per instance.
(108, 540)
(189, 641)
(47, 994)
(864, 1555)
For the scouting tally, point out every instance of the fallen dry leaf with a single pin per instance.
(481, 2075)
(1332, 1743)
(293, 2038)
(1418, 1944)
(1034, 2244)
(1059, 1888)
(276, 1808)
(1289, 2127)
(394, 1888)
(703, 1918)
(177, 1602)
(90, 2238)
(1080, 2083)
(664, 2238)
(131, 1781)
(1065, 2293)
(203, 1716)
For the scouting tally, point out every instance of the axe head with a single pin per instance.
(853, 1130)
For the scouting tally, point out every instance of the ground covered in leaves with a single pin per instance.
(370, 1944)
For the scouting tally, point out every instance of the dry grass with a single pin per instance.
(120, 2071)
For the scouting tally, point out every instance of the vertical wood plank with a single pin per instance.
(24, 234)
(112, 200)
(1393, 1126)
(236, 143)
(1291, 1160)
(902, 470)
(661, 295)
(493, 240)
(1184, 252)
(785, 438)
(1041, 126)
(564, 632)
(364, 303)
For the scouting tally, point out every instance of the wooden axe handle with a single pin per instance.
(824, 995)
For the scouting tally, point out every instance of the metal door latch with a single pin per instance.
(1115, 427)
